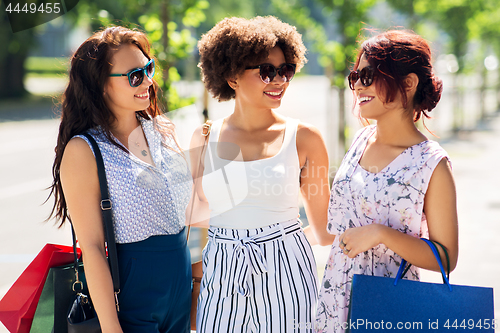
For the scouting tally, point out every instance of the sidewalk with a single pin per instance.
(475, 159)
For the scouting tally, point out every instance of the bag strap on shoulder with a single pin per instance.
(106, 207)
(205, 132)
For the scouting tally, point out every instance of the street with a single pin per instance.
(27, 152)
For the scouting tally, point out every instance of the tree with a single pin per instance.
(485, 28)
(12, 57)
(173, 45)
(177, 18)
(337, 49)
(170, 26)
(452, 18)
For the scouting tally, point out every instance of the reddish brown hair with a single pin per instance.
(396, 53)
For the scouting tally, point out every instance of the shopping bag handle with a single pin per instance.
(402, 268)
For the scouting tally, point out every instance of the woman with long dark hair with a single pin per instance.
(394, 185)
(112, 96)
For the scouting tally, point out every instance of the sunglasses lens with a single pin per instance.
(150, 69)
(136, 77)
(366, 76)
(267, 73)
(287, 71)
(352, 78)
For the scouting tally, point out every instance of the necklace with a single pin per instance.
(143, 151)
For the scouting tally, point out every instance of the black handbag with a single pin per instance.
(81, 314)
(82, 317)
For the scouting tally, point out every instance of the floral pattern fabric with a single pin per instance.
(394, 196)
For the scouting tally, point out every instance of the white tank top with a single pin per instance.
(252, 194)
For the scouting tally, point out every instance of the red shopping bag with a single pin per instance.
(18, 306)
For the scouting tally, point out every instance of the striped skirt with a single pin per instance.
(258, 280)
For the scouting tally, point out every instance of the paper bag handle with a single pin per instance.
(402, 270)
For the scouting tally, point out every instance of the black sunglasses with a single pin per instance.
(268, 72)
(365, 75)
(136, 76)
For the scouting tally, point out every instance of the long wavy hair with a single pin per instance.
(83, 106)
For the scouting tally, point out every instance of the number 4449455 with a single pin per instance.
(33, 8)
(471, 324)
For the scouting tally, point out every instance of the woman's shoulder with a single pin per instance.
(97, 133)
(305, 129)
(361, 135)
(425, 155)
(308, 136)
(202, 131)
(364, 132)
(77, 153)
(433, 146)
(430, 149)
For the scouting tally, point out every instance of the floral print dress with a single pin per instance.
(394, 197)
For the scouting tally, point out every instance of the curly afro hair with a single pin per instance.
(235, 43)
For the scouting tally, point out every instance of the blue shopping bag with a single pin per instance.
(383, 304)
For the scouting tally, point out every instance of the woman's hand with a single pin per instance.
(356, 240)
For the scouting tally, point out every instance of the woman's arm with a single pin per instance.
(197, 211)
(441, 213)
(81, 190)
(314, 185)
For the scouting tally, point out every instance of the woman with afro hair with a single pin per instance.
(259, 272)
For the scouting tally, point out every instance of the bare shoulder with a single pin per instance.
(310, 145)
(308, 134)
(441, 179)
(78, 148)
(443, 172)
(77, 157)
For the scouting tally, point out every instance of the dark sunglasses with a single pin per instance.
(268, 72)
(365, 75)
(136, 76)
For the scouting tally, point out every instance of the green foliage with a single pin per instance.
(336, 56)
(452, 17)
(46, 65)
(485, 26)
(181, 43)
(195, 15)
(178, 18)
(14, 50)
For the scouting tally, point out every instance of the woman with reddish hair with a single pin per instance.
(112, 96)
(394, 185)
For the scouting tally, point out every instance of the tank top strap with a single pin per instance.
(215, 130)
(290, 139)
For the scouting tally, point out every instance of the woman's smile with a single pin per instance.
(275, 94)
(144, 95)
(363, 99)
